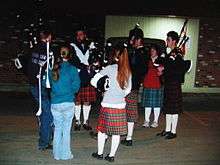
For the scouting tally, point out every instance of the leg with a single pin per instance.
(174, 121)
(86, 111)
(68, 113)
(130, 130)
(101, 145)
(156, 117)
(45, 119)
(128, 140)
(57, 140)
(167, 130)
(77, 116)
(114, 147)
(147, 112)
(101, 142)
(168, 122)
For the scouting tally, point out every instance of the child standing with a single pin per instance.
(153, 92)
(112, 118)
(65, 83)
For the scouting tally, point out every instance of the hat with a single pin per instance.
(136, 32)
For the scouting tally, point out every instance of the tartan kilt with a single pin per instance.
(172, 103)
(86, 94)
(112, 121)
(132, 106)
(152, 97)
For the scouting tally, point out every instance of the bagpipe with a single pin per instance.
(183, 39)
(96, 57)
(180, 48)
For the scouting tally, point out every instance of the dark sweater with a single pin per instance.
(138, 59)
(38, 55)
(174, 69)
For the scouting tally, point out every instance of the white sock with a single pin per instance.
(114, 145)
(168, 122)
(101, 142)
(174, 123)
(156, 114)
(130, 130)
(86, 111)
(78, 113)
(147, 114)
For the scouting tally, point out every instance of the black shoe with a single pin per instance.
(110, 158)
(126, 142)
(97, 156)
(171, 136)
(163, 133)
(49, 147)
(77, 127)
(87, 127)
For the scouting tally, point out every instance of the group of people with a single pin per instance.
(74, 88)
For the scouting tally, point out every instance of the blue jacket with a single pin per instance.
(65, 88)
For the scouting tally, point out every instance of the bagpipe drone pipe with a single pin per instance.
(181, 47)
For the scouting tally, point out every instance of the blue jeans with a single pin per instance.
(63, 115)
(46, 118)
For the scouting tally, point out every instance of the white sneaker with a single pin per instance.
(154, 124)
(146, 124)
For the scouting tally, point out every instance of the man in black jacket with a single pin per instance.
(39, 57)
(175, 68)
(138, 60)
(87, 94)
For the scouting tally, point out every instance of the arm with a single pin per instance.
(128, 89)
(75, 80)
(176, 67)
(101, 80)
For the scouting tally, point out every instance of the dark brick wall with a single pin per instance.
(208, 60)
(13, 37)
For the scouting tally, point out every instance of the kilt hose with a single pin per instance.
(172, 103)
(152, 97)
(86, 94)
(112, 121)
(132, 106)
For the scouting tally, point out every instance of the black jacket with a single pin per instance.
(174, 68)
(84, 75)
(138, 59)
(39, 54)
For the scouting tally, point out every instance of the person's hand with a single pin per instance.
(160, 68)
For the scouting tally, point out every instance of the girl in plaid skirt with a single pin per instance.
(112, 118)
(153, 92)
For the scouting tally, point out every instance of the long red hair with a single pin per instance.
(124, 71)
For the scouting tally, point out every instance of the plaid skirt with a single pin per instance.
(112, 121)
(132, 106)
(86, 94)
(172, 103)
(152, 97)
